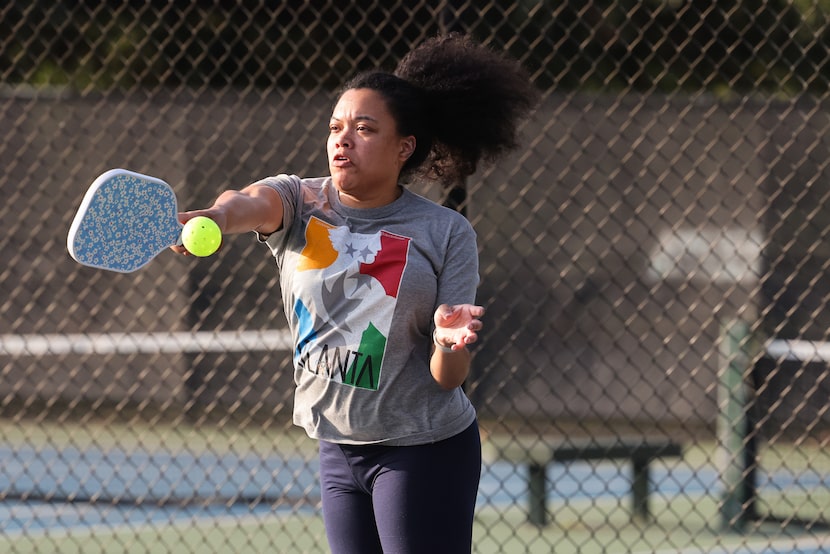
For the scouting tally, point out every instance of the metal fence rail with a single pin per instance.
(653, 262)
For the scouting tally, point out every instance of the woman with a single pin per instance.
(379, 289)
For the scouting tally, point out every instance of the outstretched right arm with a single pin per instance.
(257, 208)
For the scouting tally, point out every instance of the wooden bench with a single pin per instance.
(538, 452)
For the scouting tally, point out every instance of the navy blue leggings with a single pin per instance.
(398, 500)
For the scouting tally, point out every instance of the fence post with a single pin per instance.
(732, 426)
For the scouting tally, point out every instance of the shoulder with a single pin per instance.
(426, 205)
(448, 218)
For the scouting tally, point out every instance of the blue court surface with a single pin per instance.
(60, 491)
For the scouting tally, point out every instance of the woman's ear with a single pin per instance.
(407, 147)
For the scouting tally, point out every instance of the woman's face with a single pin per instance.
(365, 151)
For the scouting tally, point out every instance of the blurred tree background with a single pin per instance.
(724, 47)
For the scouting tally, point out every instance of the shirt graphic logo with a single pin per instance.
(343, 326)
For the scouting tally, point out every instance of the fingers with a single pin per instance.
(467, 336)
(475, 325)
(184, 217)
(461, 322)
(448, 312)
(477, 311)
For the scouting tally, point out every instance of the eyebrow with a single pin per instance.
(357, 118)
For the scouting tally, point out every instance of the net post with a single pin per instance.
(732, 426)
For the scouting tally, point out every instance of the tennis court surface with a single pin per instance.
(80, 497)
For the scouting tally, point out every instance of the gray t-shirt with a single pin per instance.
(360, 287)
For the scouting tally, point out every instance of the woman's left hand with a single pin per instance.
(457, 326)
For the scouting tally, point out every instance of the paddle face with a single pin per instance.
(125, 220)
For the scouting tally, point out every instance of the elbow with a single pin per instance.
(448, 386)
(449, 380)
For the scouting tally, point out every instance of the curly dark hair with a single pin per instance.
(462, 101)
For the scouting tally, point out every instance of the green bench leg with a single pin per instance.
(639, 487)
(537, 509)
(537, 501)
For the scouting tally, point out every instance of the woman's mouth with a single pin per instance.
(341, 161)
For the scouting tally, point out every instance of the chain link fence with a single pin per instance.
(653, 375)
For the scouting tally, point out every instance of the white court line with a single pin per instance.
(767, 546)
(144, 343)
(160, 518)
(799, 350)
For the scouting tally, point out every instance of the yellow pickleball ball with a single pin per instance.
(201, 236)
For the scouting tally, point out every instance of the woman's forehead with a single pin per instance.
(361, 103)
